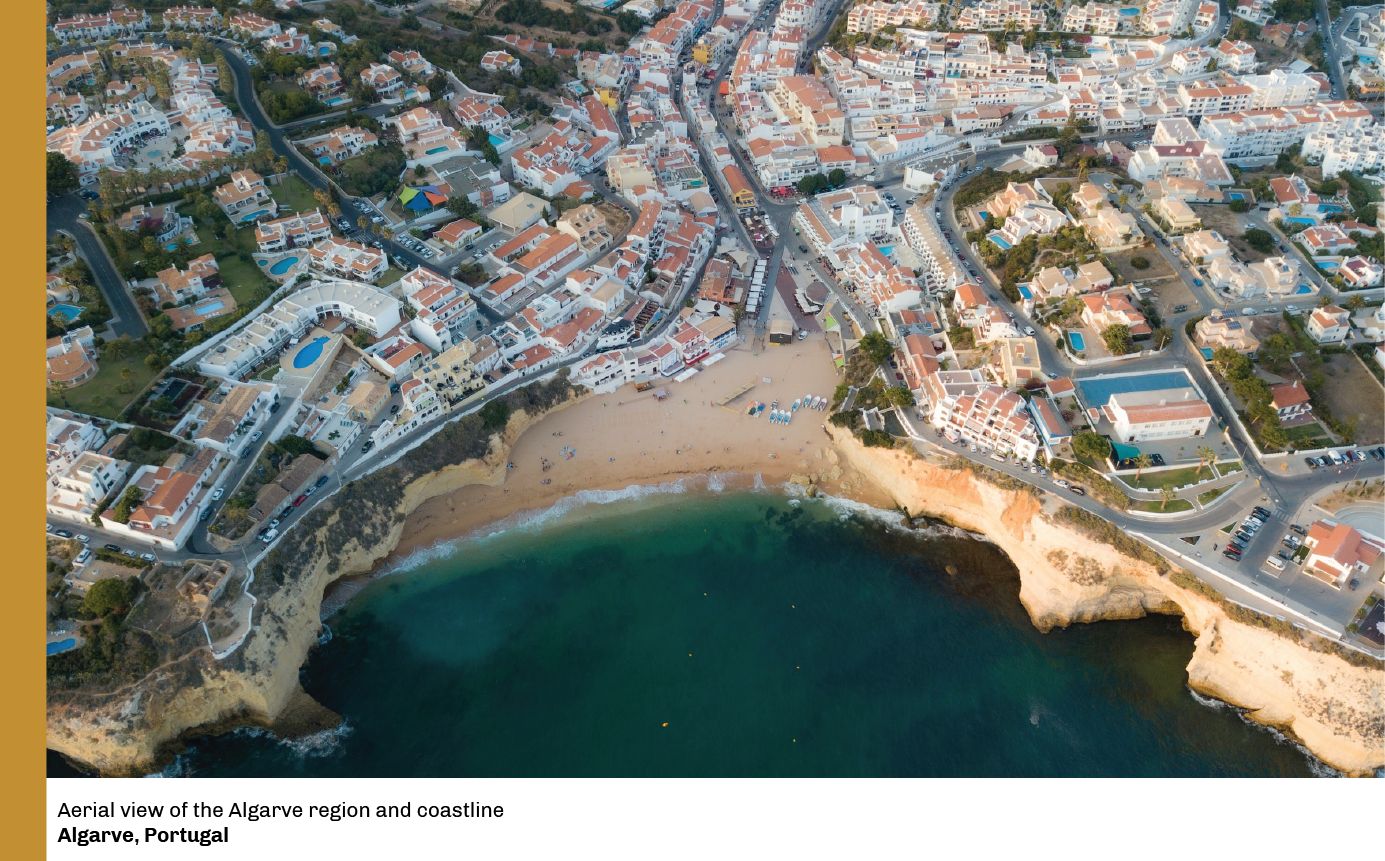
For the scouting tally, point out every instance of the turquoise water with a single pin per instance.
(309, 352)
(253, 216)
(283, 265)
(1077, 341)
(1096, 391)
(1000, 241)
(772, 638)
(65, 313)
(886, 250)
(496, 140)
(57, 647)
(209, 306)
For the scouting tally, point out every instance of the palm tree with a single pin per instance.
(1205, 457)
(1166, 495)
(1142, 462)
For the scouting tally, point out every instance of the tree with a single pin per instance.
(836, 178)
(1091, 447)
(1205, 457)
(811, 184)
(899, 396)
(62, 176)
(1117, 339)
(1356, 303)
(1260, 240)
(1142, 462)
(461, 206)
(1240, 204)
(1162, 336)
(1138, 262)
(109, 597)
(876, 347)
(1166, 495)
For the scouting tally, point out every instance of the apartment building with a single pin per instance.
(252, 27)
(176, 286)
(991, 416)
(340, 258)
(200, 18)
(871, 17)
(359, 304)
(245, 198)
(1101, 19)
(1143, 416)
(443, 314)
(95, 142)
(297, 230)
(805, 102)
(118, 23)
(340, 144)
(1259, 136)
(1176, 151)
(1022, 15)
(836, 219)
(76, 490)
(1360, 151)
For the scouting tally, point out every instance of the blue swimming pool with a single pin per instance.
(496, 140)
(1025, 292)
(1077, 341)
(66, 313)
(1303, 290)
(283, 265)
(1331, 207)
(252, 216)
(1235, 195)
(336, 100)
(1096, 391)
(437, 149)
(172, 246)
(57, 647)
(984, 214)
(1299, 219)
(1000, 241)
(1328, 264)
(208, 307)
(309, 352)
(886, 250)
(1206, 353)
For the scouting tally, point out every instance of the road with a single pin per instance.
(66, 215)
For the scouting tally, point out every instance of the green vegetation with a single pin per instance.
(1240, 204)
(1033, 133)
(1098, 528)
(875, 346)
(373, 172)
(1207, 496)
(1161, 506)
(533, 13)
(110, 597)
(1117, 339)
(62, 176)
(1092, 448)
(1254, 393)
(126, 505)
(962, 337)
(1260, 240)
(295, 195)
(875, 438)
(1138, 262)
(117, 383)
(1178, 477)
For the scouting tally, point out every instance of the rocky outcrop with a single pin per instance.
(1282, 679)
(134, 730)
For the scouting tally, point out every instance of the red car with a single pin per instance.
(302, 498)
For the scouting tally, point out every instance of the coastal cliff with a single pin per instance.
(1334, 708)
(133, 730)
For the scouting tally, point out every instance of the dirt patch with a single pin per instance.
(1232, 226)
(1353, 394)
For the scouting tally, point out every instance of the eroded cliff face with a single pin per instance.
(131, 730)
(1334, 708)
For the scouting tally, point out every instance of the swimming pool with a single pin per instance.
(66, 313)
(57, 647)
(337, 100)
(437, 149)
(309, 352)
(496, 140)
(1025, 292)
(1000, 241)
(252, 216)
(984, 214)
(283, 265)
(1096, 391)
(1299, 219)
(1235, 195)
(886, 250)
(1077, 341)
(208, 307)
(1328, 264)
(1303, 290)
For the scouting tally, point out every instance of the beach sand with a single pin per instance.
(630, 438)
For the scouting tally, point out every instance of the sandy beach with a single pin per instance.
(632, 438)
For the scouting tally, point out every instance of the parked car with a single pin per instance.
(83, 538)
(1029, 330)
(369, 444)
(1080, 491)
(1179, 309)
(84, 557)
(255, 437)
(218, 493)
(149, 557)
(114, 548)
(1299, 529)
(1312, 464)
(63, 533)
(1275, 562)
(321, 480)
(269, 536)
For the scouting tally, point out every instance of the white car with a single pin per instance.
(1029, 330)
(218, 493)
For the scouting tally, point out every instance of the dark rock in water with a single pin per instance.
(304, 716)
(950, 569)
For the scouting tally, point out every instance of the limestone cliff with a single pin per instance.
(1336, 709)
(131, 730)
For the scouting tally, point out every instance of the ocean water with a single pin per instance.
(739, 634)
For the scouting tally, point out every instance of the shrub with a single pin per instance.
(1139, 262)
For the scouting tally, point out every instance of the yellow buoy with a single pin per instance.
(665, 723)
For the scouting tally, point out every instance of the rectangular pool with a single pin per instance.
(1096, 391)
(1077, 341)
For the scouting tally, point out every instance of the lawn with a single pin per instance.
(1308, 436)
(391, 275)
(1168, 477)
(244, 279)
(294, 195)
(108, 393)
(1205, 498)
(1157, 506)
(1354, 395)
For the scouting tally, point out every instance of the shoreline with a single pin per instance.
(1068, 574)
